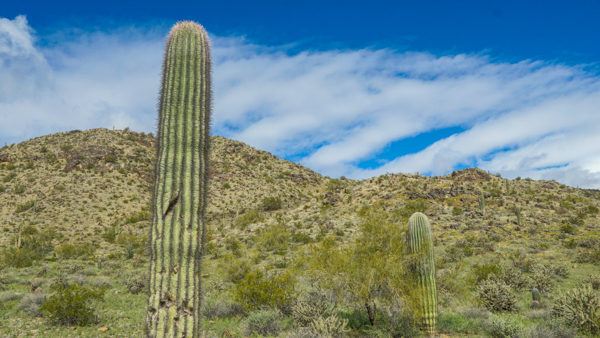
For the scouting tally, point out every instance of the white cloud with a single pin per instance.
(333, 109)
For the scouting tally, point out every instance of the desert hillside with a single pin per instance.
(82, 198)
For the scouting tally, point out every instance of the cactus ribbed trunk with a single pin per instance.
(420, 243)
(180, 191)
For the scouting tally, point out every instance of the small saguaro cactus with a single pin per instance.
(180, 188)
(482, 203)
(536, 298)
(420, 244)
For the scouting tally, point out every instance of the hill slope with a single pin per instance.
(94, 186)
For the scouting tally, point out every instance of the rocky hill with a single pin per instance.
(94, 186)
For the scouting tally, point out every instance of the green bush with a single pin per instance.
(411, 206)
(233, 245)
(34, 245)
(247, 218)
(221, 307)
(110, 234)
(484, 271)
(271, 203)
(495, 295)
(136, 283)
(17, 257)
(552, 329)
(25, 206)
(312, 305)
(373, 266)
(258, 291)
(274, 238)
(75, 250)
(591, 255)
(72, 304)
(235, 269)
(142, 215)
(568, 229)
(594, 281)
(132, 243)
(579, 307)
(330, 326)
(543, 277)
(499, 327)
(264, 323)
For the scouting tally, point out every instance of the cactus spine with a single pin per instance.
(179, 199)
(420, 244)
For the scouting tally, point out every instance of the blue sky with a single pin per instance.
(348, 88)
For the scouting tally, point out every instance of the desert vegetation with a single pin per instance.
(304, 266)
(286, 252)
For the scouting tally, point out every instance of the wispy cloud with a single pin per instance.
(329, 109)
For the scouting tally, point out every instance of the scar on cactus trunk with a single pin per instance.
(420, 246)
(180, 188)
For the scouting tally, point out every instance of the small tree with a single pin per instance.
(366, 271)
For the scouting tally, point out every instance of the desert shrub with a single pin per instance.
(31, 303)
(411, 206)
(513, 277)
(39, 242)
(370, 268)
(484, 271)
(274, 238)
(542, 277)
(264, 323)
(591, 255)
(233, 245)
(236, 269)
(220, 307)
(312, 305)
(247, 218)
(132, 243)
(9, 296)
(300, 237)
(136, 283)
(72, 304)
(594, 281)
(25, 206)
(36, 283)
(110, 234)
(522, 261)
(457, 322)
(398, 320)
(495, 295)
(257, 291)
(579, 307)
(142, 215)
(75, 250)
(17, 257)
(552, 329)
(499, 327)
(567, 228)
(330, 326)
(34, 245)
(271, 203)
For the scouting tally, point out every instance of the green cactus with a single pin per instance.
(179, 199)
(517, 212)
(535, 294)
(482, 203)
(420, 244)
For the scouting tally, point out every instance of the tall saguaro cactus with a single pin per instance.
(179, 200)
(420, 244)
